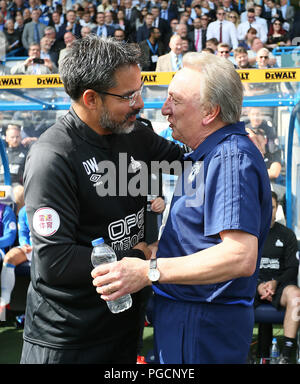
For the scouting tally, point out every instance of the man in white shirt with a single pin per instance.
(224, 31)
(251, 22)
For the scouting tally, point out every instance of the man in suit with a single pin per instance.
(102, 29)
(158, 22)
(34, 30)
(71, 25)
(288, 11)
(273, 14)
(171, 61)
(131, 15)
(198, 35)
(168, 13)
(143, 31)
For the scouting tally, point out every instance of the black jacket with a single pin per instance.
(66, 172)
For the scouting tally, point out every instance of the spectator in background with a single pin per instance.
(19, 23)
(33, 31)
(16, 155)
(223, 50)
(158, 22)
(171, 61)
(197, 36)
(273, 13)
(34, 65)
(258, 9)
(119, 35)
(86, 21)
(263, 59)
(143, 31)
(17, 6)
(251, 23)
(101, 29)
(277, 36)
(168, 13)
(256, 45)
(212, 44)
(71, 25)
(277, 280)
(224, 31)
(234, 18)
(85, 31)
(15, 257)
(69, 38)
(58, 24)
(247, 41)
(13, 38)
(183, 31)
(122, 22)
(241, 58)
(151, 49)
(48, 54)
(288, 13)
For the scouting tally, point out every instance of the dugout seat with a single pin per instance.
(265, 316)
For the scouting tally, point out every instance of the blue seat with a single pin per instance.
(266, 313)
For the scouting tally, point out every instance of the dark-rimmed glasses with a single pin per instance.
(131, 98)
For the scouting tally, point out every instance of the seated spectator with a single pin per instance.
(212, 44)
(263, 59)
(69, 38)
(58, 24)
(86, 20)
(273, 13)
(33, 31)
(234, 18)
(13, 37)
(119, 35)
(277, 36)
(241, 58)
(48, 54)
(56, 44)
(143, 32)
(102, 29)
(223, 50)
(247, 41)
(15, 257)
(277, 280)
(251, 22)
(16, 155)
(34, 65)
(256, 45)
(85, 31)
(72, 25)
(171, 61)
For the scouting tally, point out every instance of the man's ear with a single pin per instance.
(90, 99)
(210, 114)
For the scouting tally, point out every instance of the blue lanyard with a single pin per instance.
(154, 51)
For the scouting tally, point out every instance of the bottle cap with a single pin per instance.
(97, 241)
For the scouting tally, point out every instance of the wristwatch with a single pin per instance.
(153, 273)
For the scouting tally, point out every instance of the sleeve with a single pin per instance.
(9, 228)
(291, 263)
(231, 195)
(51, 187)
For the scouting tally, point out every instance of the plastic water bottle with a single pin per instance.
(102, 254)
(274, 357)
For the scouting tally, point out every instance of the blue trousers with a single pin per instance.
(201, 333)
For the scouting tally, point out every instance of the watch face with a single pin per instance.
(154, 274)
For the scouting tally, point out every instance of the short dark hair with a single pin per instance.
(274, 196)
(93, 62)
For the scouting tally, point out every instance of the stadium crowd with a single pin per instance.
(44, 30)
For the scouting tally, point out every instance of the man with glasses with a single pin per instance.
(251, 23)
(80, 182)
(223, 30)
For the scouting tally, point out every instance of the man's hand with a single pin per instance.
(158, 205)
(266, 290)
(114, 280)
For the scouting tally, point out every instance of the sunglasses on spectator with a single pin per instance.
(277, 23)
(224, 51)
(264, 57)
(221, 13)
(232, 17)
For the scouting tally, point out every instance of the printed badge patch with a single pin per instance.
(46, 221)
